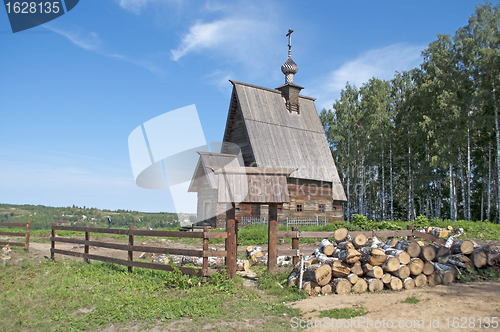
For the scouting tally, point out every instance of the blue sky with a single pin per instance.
(73, 89)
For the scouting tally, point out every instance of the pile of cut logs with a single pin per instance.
(361, 263)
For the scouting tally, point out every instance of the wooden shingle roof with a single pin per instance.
(276, 137)
(203, 171)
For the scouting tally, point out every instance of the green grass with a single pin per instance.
(344, 313)
(74, 296)
(411, 300)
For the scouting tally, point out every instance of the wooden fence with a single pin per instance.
(229, 253)
(26, 234)
(295, 235)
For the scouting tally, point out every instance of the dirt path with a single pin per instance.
(476, 300)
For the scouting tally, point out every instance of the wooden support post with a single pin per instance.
(28, 229)
(295, 246)
(272, 242)
(231, 244)
(230, 248)
(86, 249)
(130, 244)
(52, 242)
(410, 228)
(205, 248)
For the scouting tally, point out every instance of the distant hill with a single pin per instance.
(42, 217)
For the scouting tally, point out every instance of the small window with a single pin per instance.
(321, 208)
(299, 207)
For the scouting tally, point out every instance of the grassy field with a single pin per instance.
(40, 295)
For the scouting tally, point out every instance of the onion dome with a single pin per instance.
(289, 68)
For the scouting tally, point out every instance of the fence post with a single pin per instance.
(205, 248)
(295, 245)
(231, 248)
(130, 245)
(28, 229)
(86, 249)
(52, 242)
(272, 242)
(412, 228)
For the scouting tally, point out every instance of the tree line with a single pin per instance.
(426, 142)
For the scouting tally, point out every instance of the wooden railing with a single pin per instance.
(26, 234)
(295, 235)
(229, 253)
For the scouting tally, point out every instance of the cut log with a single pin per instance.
(326, 289)
(311, 288)
(462, 247)
(391, 264)
(375, 285)
(409, 283)
(395, 284)
(386, 278)
(445, 272)
(321, 274)
(360, 240)
(420, 280)
(372, 271)
(402, 273)
(403, 256)
(360, 286)
(494, 257)
(433, 279)
(374, 256)
(350, 256)
(261, 260)
(342, 286)
(293, 279)
(442, 253)
(353, 278)
(357, 269)
(327, 247)
(427, 253)
(345, 245)
(340, 234)
(392, 242)
(242, 265)
(428, 268)
(324, 259)
(340, 271)
(479, 258)
(416, 266)
(255, 253)
(463, 259)
(411, 247)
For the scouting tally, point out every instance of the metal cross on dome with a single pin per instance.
(289, 35)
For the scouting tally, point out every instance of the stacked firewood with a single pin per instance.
(359, 264)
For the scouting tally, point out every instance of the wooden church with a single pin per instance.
(273, 128)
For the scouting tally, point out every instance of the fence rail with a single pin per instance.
(206, 235)
(26, 234)
(288, 222)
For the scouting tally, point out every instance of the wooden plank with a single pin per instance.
(367, 233)
(187, 270)
(253, 170)
(393, 233)
(231, 243)
(17, 244)
(317, 235)
(295, 245)
(91, 229)
(429, 237)
(288, 252)
(27, 242)
(158, 250)
(12, 224)
(13, 233)
(288, 234)
(130, 255)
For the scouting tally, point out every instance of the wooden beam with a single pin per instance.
(272, 242)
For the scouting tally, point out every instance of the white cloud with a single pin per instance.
(89, 42)
(136, 6)
(381, 63)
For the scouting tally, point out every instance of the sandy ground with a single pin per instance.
(435, 312)
(464, 307)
